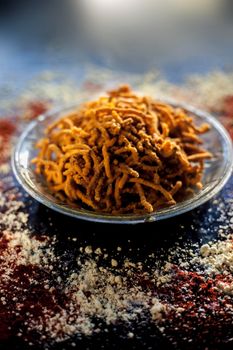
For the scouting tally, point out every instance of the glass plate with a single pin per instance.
(216, 173)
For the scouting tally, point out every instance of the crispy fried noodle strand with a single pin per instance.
(122, 153)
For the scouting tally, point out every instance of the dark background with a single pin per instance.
(37, 35)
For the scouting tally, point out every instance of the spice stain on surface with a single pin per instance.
(53, 292)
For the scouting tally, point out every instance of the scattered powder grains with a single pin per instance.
(226, 113)
(33, 109)
(7, 128)
(44, 305)
(46, 299)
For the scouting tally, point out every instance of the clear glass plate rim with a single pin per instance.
(166, 213)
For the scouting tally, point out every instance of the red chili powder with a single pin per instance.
(227, 114)
(202, 306)
(92, 87)
(22, 295)
(227, 108)
(34, 109)
(7, 128)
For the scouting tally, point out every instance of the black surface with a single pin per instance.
(137, 242)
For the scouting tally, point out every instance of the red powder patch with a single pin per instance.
(7, 128)
(34, 109)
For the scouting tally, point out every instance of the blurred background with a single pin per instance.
(174, 36)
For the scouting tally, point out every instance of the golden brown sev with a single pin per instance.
(123, 153)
